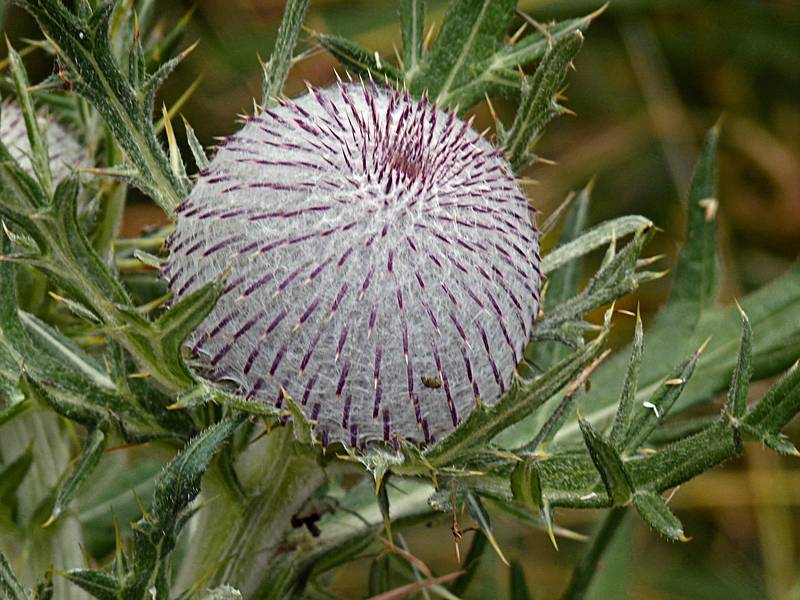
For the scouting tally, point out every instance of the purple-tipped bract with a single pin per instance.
(383, 265)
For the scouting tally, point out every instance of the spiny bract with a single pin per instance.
(63, 148)
(383, 265)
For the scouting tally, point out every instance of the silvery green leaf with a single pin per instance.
(84, 46)
(39, 156)
(412, 21)
(277, 68)
(539, 105)
(472, 31)
(598, 236)
(198, 152)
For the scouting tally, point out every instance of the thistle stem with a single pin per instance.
(585, 570)
(234, 540)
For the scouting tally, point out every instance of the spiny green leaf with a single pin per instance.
(97, 583)
(412, 26)
(90, 457)
(77, 243)
(622, 420)
(39, 156)
(472, 31)
(597, 236)
(736, 403)
(780, 405)
(526, 485)
(695, 283)
(609, 464)
(562, 283)
(179, 482)
(175, 325)
(359, 60)
(199, 154)
(481, 517)
(655, 512)
(84, 46)
(647, 417)
(9, 584)
(539, 105)
(484, 423)
(499, 74)
(277, 68)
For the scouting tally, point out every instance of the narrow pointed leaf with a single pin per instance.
(736, 402)
(179, 482)
(412, 23)
(277, 68)
(472, 31)
(650, 414)
(780, 405)
(526, 485)
(360, 61)
(38, 140)
(198, 152)
(622, 420)
(90, 456)
(596, 237)
(97, 583)
(655, 513)
(538, 105)
(481, 517)
(9, 584)
(609, 464)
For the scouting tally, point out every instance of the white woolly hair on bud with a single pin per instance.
(64, 150)
(384, 268)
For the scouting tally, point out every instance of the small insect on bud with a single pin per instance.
(383, 265)
(64, 150)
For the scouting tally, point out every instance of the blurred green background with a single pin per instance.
(651, 78)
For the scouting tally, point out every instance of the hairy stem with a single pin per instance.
(585, 570)
(233, 540)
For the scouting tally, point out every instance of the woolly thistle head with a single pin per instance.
(64, 150)
(384, 269)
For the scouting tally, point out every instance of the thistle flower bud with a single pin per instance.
(384, 269)
(64, 150)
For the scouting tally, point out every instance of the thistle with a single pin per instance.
(63, 148)
(384, 269)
